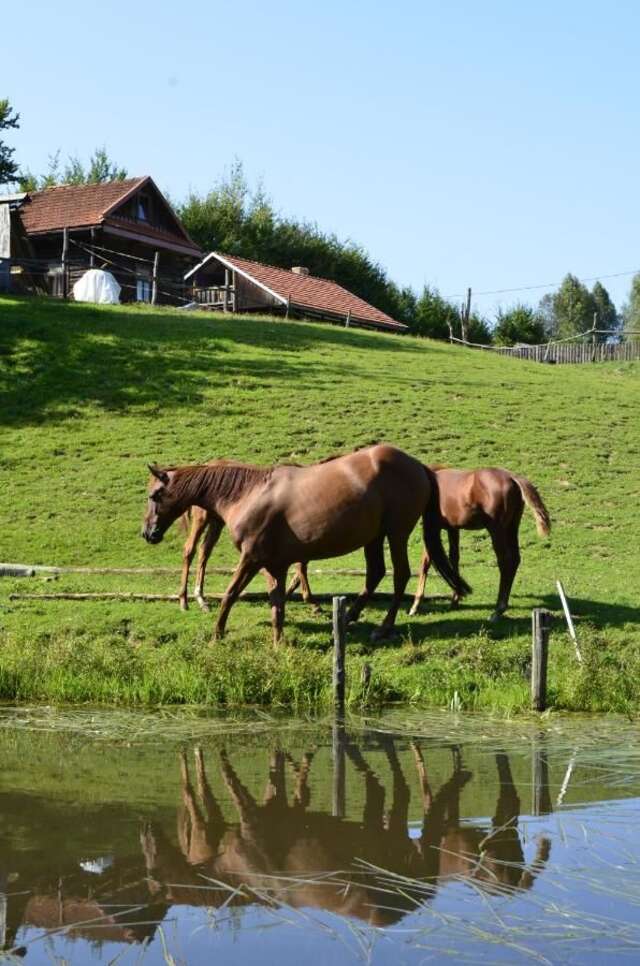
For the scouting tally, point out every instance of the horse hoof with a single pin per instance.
(183, 604)
(382, 634)
(203, 605)
(496, 616)
(351, 617)
(455, 604)
(414, 610)
(318, 611)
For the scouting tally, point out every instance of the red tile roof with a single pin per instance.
(311, 292)
(74, 205)
(89, 205)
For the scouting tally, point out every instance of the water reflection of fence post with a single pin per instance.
(339, 768)
(540, 795)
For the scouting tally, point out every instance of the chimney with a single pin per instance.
(300, 270)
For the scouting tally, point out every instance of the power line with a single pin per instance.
(530, 288)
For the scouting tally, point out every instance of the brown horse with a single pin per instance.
(200, 522)
(484, 499)
(280, 515)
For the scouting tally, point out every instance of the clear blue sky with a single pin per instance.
(492, 144)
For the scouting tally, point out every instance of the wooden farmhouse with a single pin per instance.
(231, 284)
(49, 238)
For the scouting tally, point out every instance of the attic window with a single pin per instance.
(142, 208)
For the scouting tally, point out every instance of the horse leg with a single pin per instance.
(212, 810)
(296, 581)
(245, 572)
(374, 556)
(199, 521)
(211, 538)
(305, 589)
(507, 551)
(277, 598)
(401, 574)
(427, 794)
(425, 563)
(454, 558)
(301, 794)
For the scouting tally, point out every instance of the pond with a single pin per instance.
(411, 838)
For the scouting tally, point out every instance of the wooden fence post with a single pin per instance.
(540, 627)
(339, 636)
(465, 312)
(65, 256)
(154, 279)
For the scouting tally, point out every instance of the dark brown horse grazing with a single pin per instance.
(280, 515)
(200, 522)
(484, 499)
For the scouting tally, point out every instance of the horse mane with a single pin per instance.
(222, 479)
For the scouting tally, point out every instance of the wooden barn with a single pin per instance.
(126, 227)
(230, 284)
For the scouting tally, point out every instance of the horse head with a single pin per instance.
(163, 506)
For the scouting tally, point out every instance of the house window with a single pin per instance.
(143, 290)
(142, 208)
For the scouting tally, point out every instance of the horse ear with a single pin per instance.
(158, 473)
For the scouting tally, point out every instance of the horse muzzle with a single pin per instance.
(152, 536)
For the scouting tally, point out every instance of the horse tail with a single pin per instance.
(535, 503)
(433, 540)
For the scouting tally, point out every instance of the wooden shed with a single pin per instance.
(227, 283)
(126, 227)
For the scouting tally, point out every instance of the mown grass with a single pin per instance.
(89, 395)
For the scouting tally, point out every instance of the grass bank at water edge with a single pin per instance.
(89, 395)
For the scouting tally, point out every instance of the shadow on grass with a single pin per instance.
(68, 355)
(439, 621)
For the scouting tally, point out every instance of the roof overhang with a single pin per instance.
(14, 199)
(229, 264)
(150, 240)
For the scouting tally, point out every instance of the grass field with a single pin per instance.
(89, 395)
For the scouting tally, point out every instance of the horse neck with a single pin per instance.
(217, 487)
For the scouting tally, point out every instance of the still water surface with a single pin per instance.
(409, 839)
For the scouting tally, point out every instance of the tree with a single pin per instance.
(547, 315)
(607, 314)
(631, 310)
(98, 170)
(8, 167)
(479, 330)
(520, 323)
(573, 308)
(434, 316)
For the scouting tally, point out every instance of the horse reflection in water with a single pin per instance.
(282, 853)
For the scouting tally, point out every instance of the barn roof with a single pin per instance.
(306, 292)
(93, 205)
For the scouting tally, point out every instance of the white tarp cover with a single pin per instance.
(97, 286)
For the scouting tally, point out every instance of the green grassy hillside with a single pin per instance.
(89, 395)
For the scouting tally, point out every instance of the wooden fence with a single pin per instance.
(585, 352)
